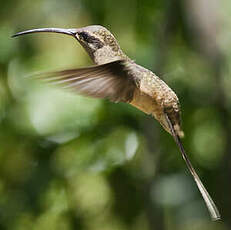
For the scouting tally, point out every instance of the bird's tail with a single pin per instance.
(214, 213)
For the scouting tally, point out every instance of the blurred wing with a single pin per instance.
(109, 80)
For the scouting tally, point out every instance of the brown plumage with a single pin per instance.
(109, 81)
(119, 79)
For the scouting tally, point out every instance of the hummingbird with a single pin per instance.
(118, 78)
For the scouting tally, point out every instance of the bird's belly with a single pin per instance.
(146, 104)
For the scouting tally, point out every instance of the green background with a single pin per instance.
(70, 162)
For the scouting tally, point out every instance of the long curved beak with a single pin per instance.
(71, 32)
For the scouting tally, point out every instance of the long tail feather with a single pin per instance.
(214, 213)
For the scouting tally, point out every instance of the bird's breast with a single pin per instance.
(153, 96)
(145, 103)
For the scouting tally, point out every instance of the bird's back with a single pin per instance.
(153, 96)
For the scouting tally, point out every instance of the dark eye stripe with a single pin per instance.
(84, 36)
(91, 39)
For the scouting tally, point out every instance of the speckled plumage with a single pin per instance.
(151, 95)
(118, 78)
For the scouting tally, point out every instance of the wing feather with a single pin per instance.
(111, 80)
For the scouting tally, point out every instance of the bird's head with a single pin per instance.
(99, 42)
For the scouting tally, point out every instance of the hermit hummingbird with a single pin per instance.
(118, 78)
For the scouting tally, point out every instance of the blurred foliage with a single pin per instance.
(69, 162)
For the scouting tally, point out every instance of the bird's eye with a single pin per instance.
(91, 39)
(85, 36)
